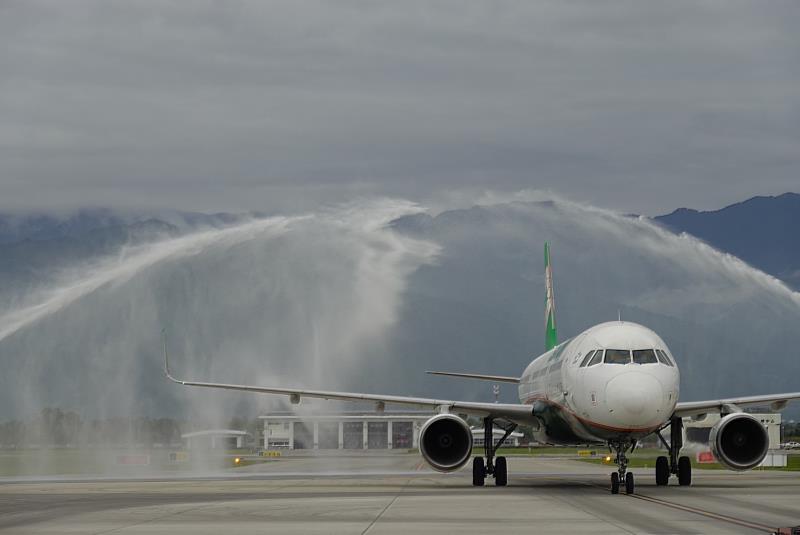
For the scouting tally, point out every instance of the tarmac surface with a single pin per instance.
(396, 493)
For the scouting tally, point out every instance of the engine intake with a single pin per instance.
(445, 442)
(739, 441)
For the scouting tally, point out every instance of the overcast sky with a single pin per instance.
(632, 105)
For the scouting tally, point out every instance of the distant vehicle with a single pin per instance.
(791, 446)
(614, 383)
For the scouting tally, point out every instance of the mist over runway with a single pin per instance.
(387, 495)
(365, 296)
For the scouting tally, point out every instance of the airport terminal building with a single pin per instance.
(343, 431)
(354, 431)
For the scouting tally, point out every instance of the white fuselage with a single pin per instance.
(606, 396)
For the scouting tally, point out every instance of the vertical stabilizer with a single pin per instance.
(550, 336)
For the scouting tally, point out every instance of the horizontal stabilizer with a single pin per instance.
(480, 377)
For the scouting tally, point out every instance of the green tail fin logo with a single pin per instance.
(550, 334)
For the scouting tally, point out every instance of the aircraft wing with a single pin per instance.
(479, 376)
(516, 412)
(775, 401)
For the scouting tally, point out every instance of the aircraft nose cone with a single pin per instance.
(634, 402)
(635, 398)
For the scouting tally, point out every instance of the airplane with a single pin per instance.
(613, 384)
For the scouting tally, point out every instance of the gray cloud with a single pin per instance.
(638, 106)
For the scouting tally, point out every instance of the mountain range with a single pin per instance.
(762, 231)
(341, 303)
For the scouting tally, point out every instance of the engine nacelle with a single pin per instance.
(445, 442)
(739, 441)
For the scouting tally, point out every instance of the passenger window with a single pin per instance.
(662, 356)
(596, 359)
(644, 356)
(618, 356)
(587, 358)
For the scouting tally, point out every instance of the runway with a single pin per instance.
(395, 494)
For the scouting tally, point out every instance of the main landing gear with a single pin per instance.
(673, 465)
(496, 467)
(621, 476)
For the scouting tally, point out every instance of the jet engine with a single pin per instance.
(445, 442)
(739, 441)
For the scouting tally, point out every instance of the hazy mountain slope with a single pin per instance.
(366, 297)
(35, 249)
(15, 228)
(762, 231)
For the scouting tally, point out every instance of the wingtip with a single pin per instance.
(166, 358)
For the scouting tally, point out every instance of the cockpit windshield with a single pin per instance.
(618, 356)
(597, 358)
(663, 358)
(587, 358)
(625, 356)
(644, 356)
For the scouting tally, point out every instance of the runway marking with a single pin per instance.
(375, 520)
(697, 511)
(573, 504)
(150, 520)
(709, 514)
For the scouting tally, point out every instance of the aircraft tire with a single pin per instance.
(500, 472)
(684, 471)
(629, 484)
(478, 472)
(614, 483)
(662, 471)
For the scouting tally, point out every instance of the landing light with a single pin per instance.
(607, 459)
(237, 460)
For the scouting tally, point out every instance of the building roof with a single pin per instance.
(215, 433)
(344, 416)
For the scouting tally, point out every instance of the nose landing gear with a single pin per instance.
(622, 476)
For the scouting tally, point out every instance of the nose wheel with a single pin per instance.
(629, 483)
(622, 476)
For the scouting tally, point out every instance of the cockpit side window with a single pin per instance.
(618, 356)
(587, 358)
(644, 356)
(662, 356)
(597, 358)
